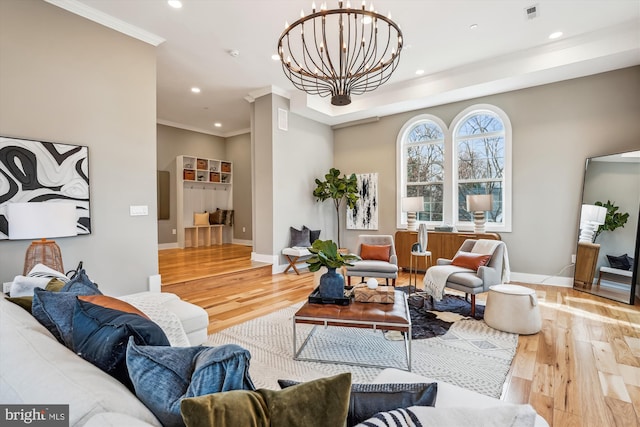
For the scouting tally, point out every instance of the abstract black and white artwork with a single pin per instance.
(364, 216)
(35, 171)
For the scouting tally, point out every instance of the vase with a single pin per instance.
(331, 284)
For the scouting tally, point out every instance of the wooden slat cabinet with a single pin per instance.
(441, 244)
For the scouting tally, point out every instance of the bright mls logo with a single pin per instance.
(35, 415)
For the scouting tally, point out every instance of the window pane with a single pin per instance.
(425, 163)
(424, 132)
(481, 158)
(433, 198)
(479, 124)
(492, 187)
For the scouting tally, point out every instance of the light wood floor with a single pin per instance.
(582, 369)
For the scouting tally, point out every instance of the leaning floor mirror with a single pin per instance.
(609, 236)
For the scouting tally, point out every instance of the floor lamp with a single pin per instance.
(42, 220)
(479, 204)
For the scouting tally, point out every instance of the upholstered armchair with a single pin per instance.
(476, 282)
(379, 258)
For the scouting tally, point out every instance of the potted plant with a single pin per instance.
(337, 188)
(613, 220)
(325, 254)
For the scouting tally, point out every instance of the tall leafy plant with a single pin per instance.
(613, 220)
(337, 188)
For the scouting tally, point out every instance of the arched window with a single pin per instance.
(482, 164)
(445, 166)
(422, 164)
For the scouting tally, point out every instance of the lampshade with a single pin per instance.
(591, 217)
(479, 202)
(42, 220)
(412, 204)
(592, 213)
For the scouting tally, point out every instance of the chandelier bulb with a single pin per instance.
(348, 4)
(340, 4)
(313, 7)
(301, 13)
(364, 4)
(286, 25)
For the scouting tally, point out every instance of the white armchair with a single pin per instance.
(379, 258)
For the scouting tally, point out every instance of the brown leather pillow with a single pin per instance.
(113, 303)
(470, 260)
(375, 252)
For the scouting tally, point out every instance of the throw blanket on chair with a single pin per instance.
(436, 278)
(150, 303)
(428, 416)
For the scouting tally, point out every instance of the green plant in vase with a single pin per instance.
(613, 220)
(325, 254)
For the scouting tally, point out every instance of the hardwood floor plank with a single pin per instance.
(582, 369)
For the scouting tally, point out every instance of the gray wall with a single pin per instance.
(173, 142)
(239, 152)
(555, 128)
(66, 79)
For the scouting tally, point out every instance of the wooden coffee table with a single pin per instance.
(386, 317)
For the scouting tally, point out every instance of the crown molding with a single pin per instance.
(108, 21)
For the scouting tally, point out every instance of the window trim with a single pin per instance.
(505, 226)
(401, 176)
(450, 186)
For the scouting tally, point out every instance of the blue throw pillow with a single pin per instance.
(100, 336)
(80, 284)
(54, 310)
(163, 376)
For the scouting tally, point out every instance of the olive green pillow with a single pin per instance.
(318, 403)
(54, 285)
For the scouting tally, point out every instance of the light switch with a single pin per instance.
(139, 210)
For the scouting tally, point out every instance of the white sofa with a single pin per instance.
(36, 369)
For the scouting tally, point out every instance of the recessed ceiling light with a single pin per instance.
(473, 26)
(419, 72)
(275, 57)
(555, 35)
(217, 124)
(176, 4)
(195, 89)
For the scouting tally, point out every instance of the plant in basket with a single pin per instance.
(325, 254)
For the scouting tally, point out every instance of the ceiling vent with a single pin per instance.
(532, 11)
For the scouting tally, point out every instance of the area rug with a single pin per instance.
(470, 354)
(431, 319)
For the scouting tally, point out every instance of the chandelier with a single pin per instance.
(340, 52)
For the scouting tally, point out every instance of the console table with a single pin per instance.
(442, 244)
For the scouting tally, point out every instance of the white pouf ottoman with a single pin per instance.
(513, 308)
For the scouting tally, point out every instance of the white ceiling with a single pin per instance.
(505, 52)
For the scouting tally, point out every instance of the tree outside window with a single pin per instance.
(424, 154)
(480, 144)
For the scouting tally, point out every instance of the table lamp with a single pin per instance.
(42, 220)
(479, 204)
(411, 205)
(591, 217)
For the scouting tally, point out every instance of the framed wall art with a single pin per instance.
(37, 171)
(364, 216)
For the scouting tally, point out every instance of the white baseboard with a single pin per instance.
(541, 279)
(242, 242)
(162, 246)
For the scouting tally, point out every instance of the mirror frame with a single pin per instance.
(634, 273)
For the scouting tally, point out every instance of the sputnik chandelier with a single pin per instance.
(340, 52)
